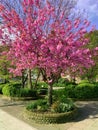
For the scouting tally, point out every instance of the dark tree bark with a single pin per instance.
(50, 90)
(22, 79)
(29, 79)
(37, 80)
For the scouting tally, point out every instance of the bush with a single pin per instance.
(62, 105)
(70, 90)
(39, 106)
(1, 87)
(26, 92)
(14, 90)
(84, 81)
(57, 94)
(85, 91)
(9, 90)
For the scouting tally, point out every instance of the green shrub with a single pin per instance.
(84, 81)
(32, 106)
(59, 85)
(39, 106)
(57, 93)
(84, 91)
(26, 92)
(14, 90)
(9, 90)
(62, 105)
(1, 87)
(70, 90)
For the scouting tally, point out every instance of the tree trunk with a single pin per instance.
(50, 95)
(22, 80)
(36, 80)
(29, 79)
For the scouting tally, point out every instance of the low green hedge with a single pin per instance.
(51, 117)
(83, 90)
(14, 90)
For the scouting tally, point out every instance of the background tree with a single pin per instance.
(4, 64)
(92, 73)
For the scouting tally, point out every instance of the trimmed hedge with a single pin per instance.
(14, 90)
(49, 118)
(83, 90)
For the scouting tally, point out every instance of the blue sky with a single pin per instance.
(91, 8)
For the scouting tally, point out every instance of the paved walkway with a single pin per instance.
(8, 122)
(87, 119)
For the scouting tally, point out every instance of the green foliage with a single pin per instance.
(4, 63)
(84, 90)
(39, 106)
(84, 81)
(62, 105)
(9, 90)
(92, 73)
(41, 85)
(42, 88)
(32, 106)
(62, 82)
(1, 87)
(26, 92)
(70, 90)
(57, 94)
(59, 85)
(42, 91)
(15, 90)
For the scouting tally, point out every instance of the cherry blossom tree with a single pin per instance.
(43, 41)
(60, 6)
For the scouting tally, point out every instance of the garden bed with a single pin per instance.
(48, 118)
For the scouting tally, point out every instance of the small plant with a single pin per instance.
(32, 106)
(38, 106)
(62, 105)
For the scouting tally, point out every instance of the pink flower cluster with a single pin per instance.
(43, 42)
